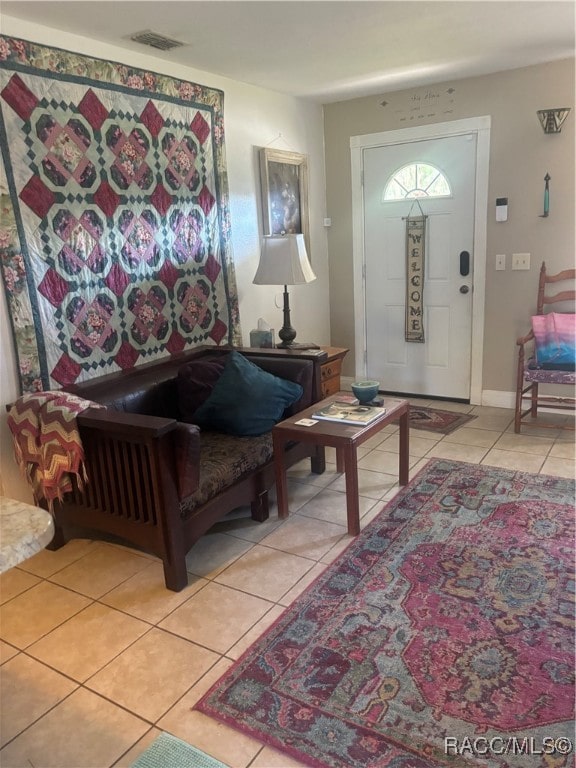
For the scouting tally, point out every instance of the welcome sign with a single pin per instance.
(415, 238)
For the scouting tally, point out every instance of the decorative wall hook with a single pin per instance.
(546, 197)
(551, 119)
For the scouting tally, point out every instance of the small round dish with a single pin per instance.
(365, 391)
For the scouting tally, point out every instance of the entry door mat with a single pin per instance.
(169, 752)
(115, 246)
(437, 420)
(448, 619)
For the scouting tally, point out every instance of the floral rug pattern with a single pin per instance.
(114, 221)
(449, 618)
(437, 420)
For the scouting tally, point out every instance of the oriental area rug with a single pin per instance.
(115, 234)
(437, 420)
(443, 635)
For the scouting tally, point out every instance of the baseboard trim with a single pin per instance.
(492, 398)
(496, 398)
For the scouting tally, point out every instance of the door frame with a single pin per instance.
(477, 125)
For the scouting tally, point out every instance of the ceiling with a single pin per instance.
(327, 50)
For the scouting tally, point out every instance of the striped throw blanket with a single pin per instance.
(47, 443)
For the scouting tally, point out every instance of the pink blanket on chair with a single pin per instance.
(555, 336)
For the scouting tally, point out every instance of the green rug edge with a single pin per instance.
(167, 751)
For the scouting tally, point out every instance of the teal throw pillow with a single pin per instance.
(246, 400)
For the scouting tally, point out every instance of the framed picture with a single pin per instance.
(284, 178)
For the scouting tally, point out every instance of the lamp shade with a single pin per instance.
(283, 261)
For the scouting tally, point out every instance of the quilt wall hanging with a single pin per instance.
(114, 230)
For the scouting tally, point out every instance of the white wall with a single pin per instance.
(253, 117)
(520, 156)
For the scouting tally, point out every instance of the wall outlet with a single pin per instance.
(500, 261)
(520, 261)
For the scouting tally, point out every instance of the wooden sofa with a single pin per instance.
(160, 484)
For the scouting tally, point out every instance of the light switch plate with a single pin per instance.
(500, 261)
(520, 261)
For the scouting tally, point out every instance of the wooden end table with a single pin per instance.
(345, 438)
(331, 369)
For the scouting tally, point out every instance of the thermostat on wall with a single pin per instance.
(501, 209)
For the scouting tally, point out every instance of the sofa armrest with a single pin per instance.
(172, 448)
(187, 455)
(129, 424)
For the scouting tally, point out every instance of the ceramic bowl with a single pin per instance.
(365, 391)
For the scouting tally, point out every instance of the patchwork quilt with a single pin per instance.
(114, 229)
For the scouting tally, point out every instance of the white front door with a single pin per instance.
(440, 365)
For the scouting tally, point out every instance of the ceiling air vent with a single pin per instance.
(154, 40)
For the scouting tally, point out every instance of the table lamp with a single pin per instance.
(284, 261)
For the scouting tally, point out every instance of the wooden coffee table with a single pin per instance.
(345, 438)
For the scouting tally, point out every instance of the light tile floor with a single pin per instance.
(97, 657)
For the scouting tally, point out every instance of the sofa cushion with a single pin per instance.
(223, 461)
(246, 400)
(195, 382)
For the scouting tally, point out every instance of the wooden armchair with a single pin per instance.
(531, 373)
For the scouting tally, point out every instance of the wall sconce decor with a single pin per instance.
(546, 196)
(551, 119)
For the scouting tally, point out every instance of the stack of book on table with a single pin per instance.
(349, 413)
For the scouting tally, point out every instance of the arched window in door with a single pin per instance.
(416, 180)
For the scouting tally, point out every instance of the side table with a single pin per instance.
(24, 531)
(331, 369)
(345, 438)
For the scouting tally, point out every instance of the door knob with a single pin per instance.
(464, 289)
